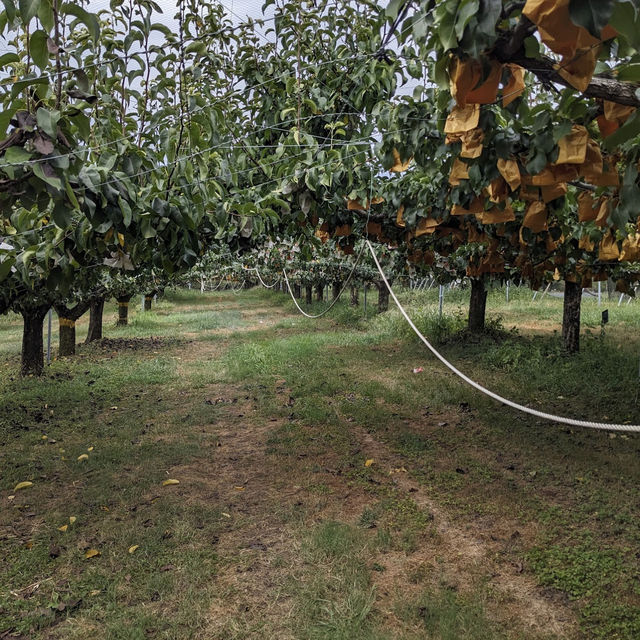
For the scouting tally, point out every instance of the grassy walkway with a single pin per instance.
(325, 490)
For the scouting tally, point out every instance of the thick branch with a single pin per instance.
(511, 49)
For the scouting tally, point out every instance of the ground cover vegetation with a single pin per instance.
(285, 153)
(411, 507)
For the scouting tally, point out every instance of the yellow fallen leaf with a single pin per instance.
(95, 592)
(72, 519)
(369, 462)
(63, 528)
(133, 548)
(170, 481)
(226, 515)
(82, 457)
(43, 438)
(90, 449)
(22, 485)
(91, 553)
(239, 488)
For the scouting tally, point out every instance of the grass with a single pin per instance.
(278, 528)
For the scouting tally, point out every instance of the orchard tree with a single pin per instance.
(540, 101)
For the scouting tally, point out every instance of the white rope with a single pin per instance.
(346, 284)
(262, 282)
(235, 291)
(514, 405)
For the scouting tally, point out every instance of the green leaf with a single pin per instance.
(48, 121)
(70, 194)
(46, 173)
(21, 85)
(466, 10)
(88, 19)
(45, 15)
(8, 58)
(625, 20)
(62, 216)
(562, 130)
(446, 25)
(10, 8)
(84, 125)
(630, 129)
(593, 15)
(629, 73)
(28, 9)
(15, 155)
(126, 211)
(393, 8)
(38, 48)
(5, 267)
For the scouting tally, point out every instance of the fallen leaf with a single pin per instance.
(239, 488)
(369, 462)
(63, 528)
(133, 548)
(226, 515)
(72, 519)
(170, 481)
(10, 498)
(44, 438)
(95, 592)
(92, 553)
(22, 485)
(90, 449)
(84, 456)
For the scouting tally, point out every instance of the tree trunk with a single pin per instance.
(32, 343)
(477, 306)
(67, 318)
(355, 297)
(319, 293)
(67, 336)
(383, 297)
(95, 320)
(148, 299)
(337, 286)
(297, 290)
(123, 310)
(308, 294)
(571, 316)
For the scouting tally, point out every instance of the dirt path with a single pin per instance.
(473, 552)
(265, 507)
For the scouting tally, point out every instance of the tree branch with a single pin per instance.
(511, 49)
